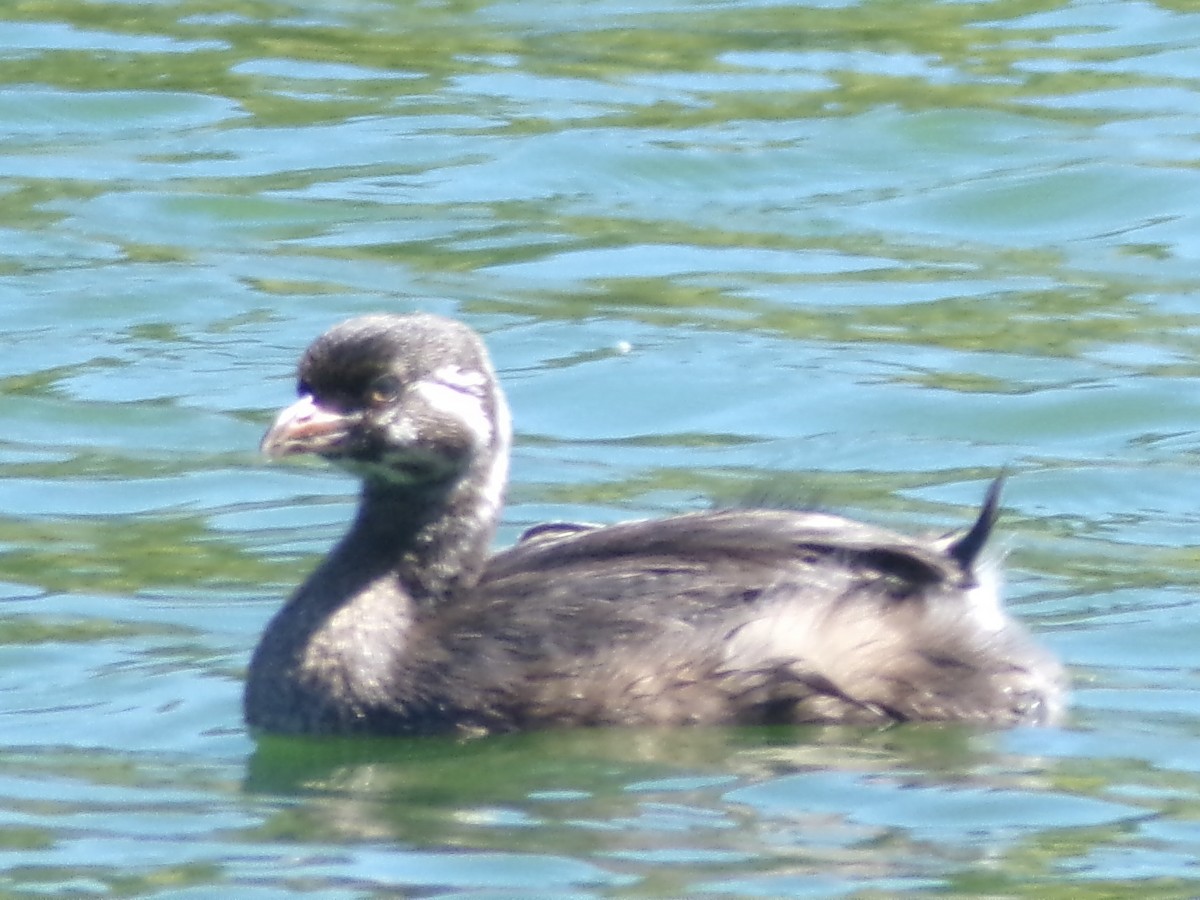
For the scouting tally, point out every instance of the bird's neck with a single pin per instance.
(436, 541)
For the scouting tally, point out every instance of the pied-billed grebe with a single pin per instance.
(409, 626)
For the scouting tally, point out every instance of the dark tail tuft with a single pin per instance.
(968, 547)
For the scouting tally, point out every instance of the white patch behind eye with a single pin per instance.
(495, 480)
(459, 400)
(461, 379)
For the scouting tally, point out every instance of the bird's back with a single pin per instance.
(742, 616)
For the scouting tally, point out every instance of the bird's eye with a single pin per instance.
(384, 389)
(303, 388)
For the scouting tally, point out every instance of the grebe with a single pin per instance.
(411, 626)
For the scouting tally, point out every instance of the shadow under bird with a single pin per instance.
(411, 626)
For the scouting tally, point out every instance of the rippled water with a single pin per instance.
(872, 252)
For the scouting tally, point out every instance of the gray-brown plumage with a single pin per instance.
(734, 616)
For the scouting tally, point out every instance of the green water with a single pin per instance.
(871, 253)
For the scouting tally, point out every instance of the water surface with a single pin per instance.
(871, 253)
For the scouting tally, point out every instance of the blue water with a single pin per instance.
(871, 253)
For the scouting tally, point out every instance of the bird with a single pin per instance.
(411, 625)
